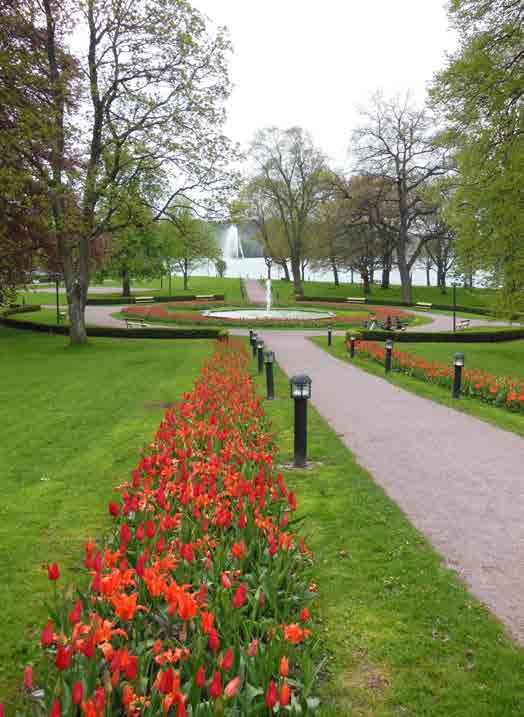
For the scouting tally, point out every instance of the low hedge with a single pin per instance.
(470, 337)
(117, 333)
(19, 309)
(117, 300)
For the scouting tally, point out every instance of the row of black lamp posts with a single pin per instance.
(300, 390)
(458, 362)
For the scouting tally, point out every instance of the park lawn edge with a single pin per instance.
(499, 417)
(402, 634)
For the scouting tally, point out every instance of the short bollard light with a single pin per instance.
(254, 344)
(458, 361)
(269, 359)
(300, 388)
(389, 349)
(352, 341)
(330, 333)
(260, 350)
(251, 332)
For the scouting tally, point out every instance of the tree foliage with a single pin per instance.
(480, 93)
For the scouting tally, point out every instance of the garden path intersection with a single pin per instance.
(458, 479)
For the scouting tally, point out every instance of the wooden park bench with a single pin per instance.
(356, 299)
(204, 296)
(463, 324)
(144, 299)
(130, 324)
(424, 304)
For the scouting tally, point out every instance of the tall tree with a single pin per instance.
(480, 94)
(395, 143)
(291, 176)
(155, 81)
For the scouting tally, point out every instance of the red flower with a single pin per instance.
(114, 509)
(239, 550)
(305, 615)
(56, 709)
(225, 580)
(215, 688)
(271, 695)
(227, 660)
(252, 648)
(47, 635)
(28, 678)
(76, 613)
(213, 641)
(77, 693)
(200, 677)
(284, 667)
(53, 573)
(240, 596)
(63, 658)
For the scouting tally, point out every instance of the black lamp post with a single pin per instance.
(269, 359)
(254, 344)
(389, 349)
(454, 306)
(352, 346)
(300, 388)
(458, 361)
(260, 350)
(330, 332)
(251, 332)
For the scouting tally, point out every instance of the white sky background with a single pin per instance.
(306, 63)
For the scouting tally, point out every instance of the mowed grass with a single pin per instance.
(499, 358)
(73, 423)
(402, 635)
(477, 297)
(230, 287)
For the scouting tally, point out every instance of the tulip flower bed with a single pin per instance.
(501, 391)
(198, 599)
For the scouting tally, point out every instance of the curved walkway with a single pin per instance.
(459, 480)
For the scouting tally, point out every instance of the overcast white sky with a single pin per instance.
(310, 63)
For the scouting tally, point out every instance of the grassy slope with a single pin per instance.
(73, 421)
(481, 355)
(404, 635)
(465, 297)
(197, 285)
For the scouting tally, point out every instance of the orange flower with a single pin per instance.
(125, 606)
(295, 634)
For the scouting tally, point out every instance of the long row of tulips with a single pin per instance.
(198, 601)
(503, 391)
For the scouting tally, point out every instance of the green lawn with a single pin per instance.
(501, 358)
(403, 635)
(73, 422)
(484, 298)
(197, 285)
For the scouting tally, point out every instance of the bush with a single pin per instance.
(466, 337)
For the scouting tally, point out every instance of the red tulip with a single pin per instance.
(271, 695)
(53, 573)
(305, 615)
(76, 613)
(227, 660)
(215, 688)
(28, 678)
(77, 693)
(200, 677)
(63, 658)
(252, 648)
(114, 509)
(56, 709)
(240, 596)
(47, 635)
(284, 667)
(213, 641)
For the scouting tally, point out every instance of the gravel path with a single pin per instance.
(255, 292)
(459, 480)
(441, 322)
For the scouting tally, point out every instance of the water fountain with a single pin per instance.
(231, 244)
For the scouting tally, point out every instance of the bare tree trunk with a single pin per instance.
(186, 277)
(428, 276)
(284, 266)
(126, 283)
(405, 280)
(296, 271)
(384, 284)
(366, 284)
(335, 273)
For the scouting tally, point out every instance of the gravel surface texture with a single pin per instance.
(459, 480)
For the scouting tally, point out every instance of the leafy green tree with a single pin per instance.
(153, 81)
(221, 267)
(187, 241)
(480, 94)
